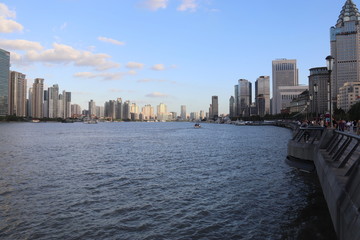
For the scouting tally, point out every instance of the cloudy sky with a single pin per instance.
(177, 52)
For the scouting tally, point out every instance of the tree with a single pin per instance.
(354, 112)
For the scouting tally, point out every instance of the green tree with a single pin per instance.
(354, 112)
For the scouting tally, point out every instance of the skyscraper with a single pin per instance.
(284, 73)
(4, 82)
(37, 98)
(183, 112)
(215, 107)
(262, 95)
(17, 98)
(232, 107)
(244, 95)
(345, 48)
(92, 109)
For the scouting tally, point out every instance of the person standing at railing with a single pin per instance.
(354, 126)
(358, 127)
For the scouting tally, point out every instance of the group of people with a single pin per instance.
(341, 125)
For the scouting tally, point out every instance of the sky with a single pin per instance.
(177, 52)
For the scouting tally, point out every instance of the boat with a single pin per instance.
(197, 125)
(35, 121)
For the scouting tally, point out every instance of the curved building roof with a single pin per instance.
(348, 13)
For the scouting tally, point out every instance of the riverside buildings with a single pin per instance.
(4, 82)
(262, 95)
(17, 94)
(243, 98)
(214, 107)
(345, 48)
(284, 74)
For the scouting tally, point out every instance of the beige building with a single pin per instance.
(17, 94)
(37, 98)
(284, 74)
(348, 95)
(286, 94)
(345, 48)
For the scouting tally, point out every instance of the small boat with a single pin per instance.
(197, 125)
(35, 121)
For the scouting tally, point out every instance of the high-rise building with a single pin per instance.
(215, 107)
(162, 113)
(284, 74)
(67, 105)
(345, 48)
(17, 99)
(232, 107)
(52, 102)
(148, 112)
(183, 112)
(262, 95)
(318, 89)
(126, 110)
(4, 82)
(92, 109)
(75, 110)
(244, 95)
(119, 108)
(37, 98)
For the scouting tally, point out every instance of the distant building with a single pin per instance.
(262, 95)
(4, 82)
(232, 107)
(244, 96)
(348, 95)
(300, 103)
(148, 112)
(75, 110)
(345, 48)
(286, 94)
(162, 113)
(284, 74)
(183, 112)
(92, 109)
(37, 98)
(126, 110)
(17, 98)
(215, 107)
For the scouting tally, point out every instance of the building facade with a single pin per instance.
(244, 97)
(284, 74)
(262, 95)
(183, 112)
(17, 94)
(286, 94)
(215, 107)
(348, 95)
(4, 82)
(345, 48)
(318, 89)
(37, 100)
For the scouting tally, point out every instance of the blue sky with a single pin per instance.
(177, 52)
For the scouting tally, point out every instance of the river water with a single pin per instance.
(154, 181)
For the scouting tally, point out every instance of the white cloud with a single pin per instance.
(134, 65)
(158, 67)
(110, 40)
(188, 5)
(154, 5)
(157, 95)
(19, 44)
(103, 76)
(5, 12)
(7, 25)
(65, 54)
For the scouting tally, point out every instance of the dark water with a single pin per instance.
(154, 181)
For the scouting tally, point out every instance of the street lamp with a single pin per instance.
(316, 89)
(330, 65)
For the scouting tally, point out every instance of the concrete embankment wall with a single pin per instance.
(342, 193)
(341, 189)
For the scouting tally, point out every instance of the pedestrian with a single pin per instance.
(358, 128)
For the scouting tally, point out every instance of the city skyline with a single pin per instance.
(176, 52)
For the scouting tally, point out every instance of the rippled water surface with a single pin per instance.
(154, 181)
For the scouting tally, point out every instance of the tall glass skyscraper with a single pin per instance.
(4, 82)
(345, 48)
